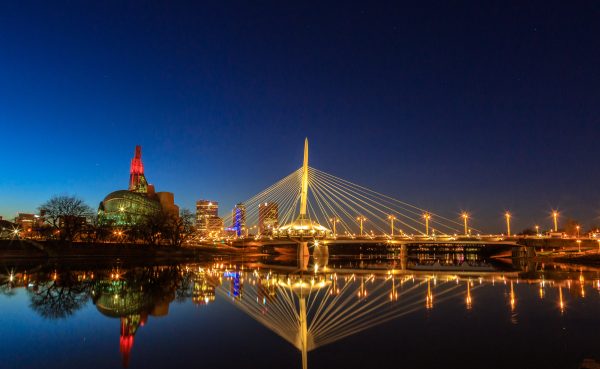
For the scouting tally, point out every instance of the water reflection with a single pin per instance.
(307, 309)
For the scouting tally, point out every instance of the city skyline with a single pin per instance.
(300, 184)
(496, 115)
(554, 215)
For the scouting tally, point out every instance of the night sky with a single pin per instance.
(481, 106)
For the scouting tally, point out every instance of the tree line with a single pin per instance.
(68, 219)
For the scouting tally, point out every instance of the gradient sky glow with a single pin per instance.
(481, 106)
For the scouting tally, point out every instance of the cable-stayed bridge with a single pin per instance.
(309, 203)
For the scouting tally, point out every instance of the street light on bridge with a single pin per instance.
(577, 227)
(391, 218)
(361, 219)
(465, 217)
(427, 216)
(537, 230)
(333, 221)
(507, 216)
(555, 217)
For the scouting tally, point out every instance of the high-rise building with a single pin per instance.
(268, 217)
(238, 219)
(207, 217)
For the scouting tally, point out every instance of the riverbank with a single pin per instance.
(27, 250)
(579, 259)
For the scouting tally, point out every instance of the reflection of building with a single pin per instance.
(268, 217)
(132, 305)
(204, 292)
(207, 217)
(239, 219)
(126, 207)
(236, 284)
(129, 325)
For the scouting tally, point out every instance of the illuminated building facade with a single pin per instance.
(239, 219)
(207, 218)
(140, 201)
(268, 217)
(137, 179)
(29, 225)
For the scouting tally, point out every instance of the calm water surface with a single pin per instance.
(353, 314)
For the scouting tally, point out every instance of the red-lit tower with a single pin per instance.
(137, 180)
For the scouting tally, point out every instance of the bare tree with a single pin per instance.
(152, 228)
(179, 229)
(59, 298)
(66, 214)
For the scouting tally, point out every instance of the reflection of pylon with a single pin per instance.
(314, 310)
(303, 333)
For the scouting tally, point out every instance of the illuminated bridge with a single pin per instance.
(310, 204)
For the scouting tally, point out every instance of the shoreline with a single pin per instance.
(27, 252)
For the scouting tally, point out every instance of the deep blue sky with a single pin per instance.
(483, 106)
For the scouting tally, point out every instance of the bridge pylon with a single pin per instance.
(303, 226)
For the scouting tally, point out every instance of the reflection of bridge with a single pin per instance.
(311, 310)
(307, 309)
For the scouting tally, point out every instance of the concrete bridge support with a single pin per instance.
(403, 256)
(303, 255)
(523, 252)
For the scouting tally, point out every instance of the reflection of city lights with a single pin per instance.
(513, 301)
(560, 300)
(469, 299)
(429, 297)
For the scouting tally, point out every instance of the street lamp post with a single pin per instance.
(577, 227)
(465, 217)
(334, 220)
(391, 218)
(555, 217)
(537, 230)
(507, 216)
(361, 219)
(426, 216)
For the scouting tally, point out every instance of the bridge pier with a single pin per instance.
(321, 255)
(403, 256)
(302, 255)
(523, 252)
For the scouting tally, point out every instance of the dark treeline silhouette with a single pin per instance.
(68, 219)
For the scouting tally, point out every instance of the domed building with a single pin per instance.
(127, 207)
